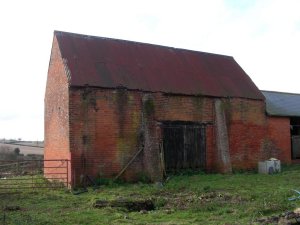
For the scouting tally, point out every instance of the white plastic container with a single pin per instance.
(269, 166)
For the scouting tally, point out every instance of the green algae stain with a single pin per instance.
(127, 143)
(149, 107)
(136, 120)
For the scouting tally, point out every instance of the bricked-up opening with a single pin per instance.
(183, 146)
(295, 137)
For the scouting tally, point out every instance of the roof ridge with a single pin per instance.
(140, 43)
(281, 92)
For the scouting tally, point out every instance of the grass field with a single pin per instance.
(183, 199)
(25, 149)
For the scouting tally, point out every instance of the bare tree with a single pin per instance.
(17, 151)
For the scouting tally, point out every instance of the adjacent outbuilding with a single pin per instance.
(283, 110)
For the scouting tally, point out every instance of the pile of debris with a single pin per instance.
(290, 217)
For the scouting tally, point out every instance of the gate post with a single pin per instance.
(67, 173)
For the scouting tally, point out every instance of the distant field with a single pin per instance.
(25, 149)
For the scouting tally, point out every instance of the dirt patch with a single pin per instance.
(12, 208)
(184, 200)
(130, 205)
(170, 201)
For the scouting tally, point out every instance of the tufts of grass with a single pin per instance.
(188, 198)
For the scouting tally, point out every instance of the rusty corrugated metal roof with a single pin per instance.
(110, 63)
(282, 104)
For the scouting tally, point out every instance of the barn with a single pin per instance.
(129, 110)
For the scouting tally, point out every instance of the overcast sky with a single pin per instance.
(263, 36)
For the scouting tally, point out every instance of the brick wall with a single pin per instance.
(254, 136)
(279, 143)
(56, 113)
(107, 128)
(247, 127)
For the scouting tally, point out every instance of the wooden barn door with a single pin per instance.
(183, 146)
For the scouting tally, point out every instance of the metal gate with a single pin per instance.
(33, 174)
(184, 146)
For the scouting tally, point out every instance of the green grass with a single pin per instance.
(184, 199)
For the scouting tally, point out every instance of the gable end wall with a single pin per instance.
(56, 116)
